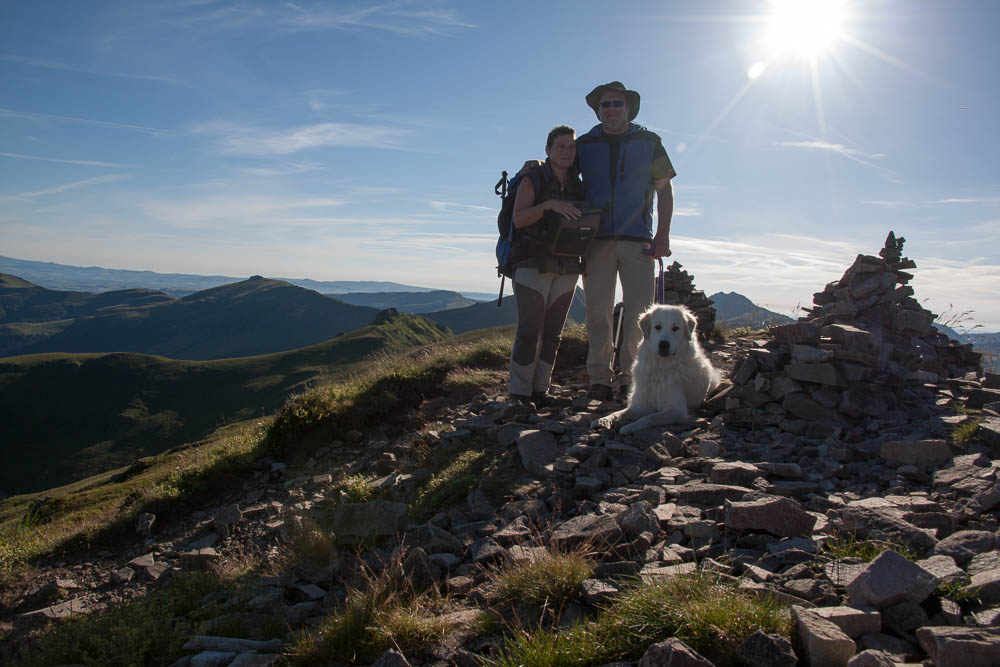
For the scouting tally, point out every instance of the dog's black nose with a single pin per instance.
(664, 347)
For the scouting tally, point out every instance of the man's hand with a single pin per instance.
(563, 208)
(659, 247)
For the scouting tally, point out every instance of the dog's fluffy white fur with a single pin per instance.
(671, 374)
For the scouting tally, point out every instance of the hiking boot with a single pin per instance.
(600, 392)
(541, 399)
(521, 399)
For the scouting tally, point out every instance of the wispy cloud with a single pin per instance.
(290, 169)
(404, 18)
(821, 145)
(211, 211)
(843, 150)
(692, 211)
(68, 67)
(33, 116)
(246, 140)
(944, 201)
(886, 203)
(967, 200)
(453, 207)
(86, 163)
(111, 178)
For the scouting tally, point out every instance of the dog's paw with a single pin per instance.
(603, 423)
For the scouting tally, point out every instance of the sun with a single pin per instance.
(805, 28)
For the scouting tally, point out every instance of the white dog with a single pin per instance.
(671, 373)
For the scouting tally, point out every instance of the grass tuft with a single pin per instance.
(711, 617)
(850, 546)
(552, 580)
(357, 489)
(966, 432)
(448, 486)
(384, 611)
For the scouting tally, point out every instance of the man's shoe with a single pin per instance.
(541, 399)
(600, 392)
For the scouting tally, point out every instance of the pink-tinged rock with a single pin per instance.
(950, 646)
(673, 653)
(965, 544)
(818, 641)
(872, 659)
(986, 586)
(853, 622)
(890, 579)
(598, 530)
(924, 453)
(734, 472)
(779, 516)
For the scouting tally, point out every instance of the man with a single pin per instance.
(622, 165)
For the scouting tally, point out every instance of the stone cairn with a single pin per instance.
(678, 290)
(862, 354)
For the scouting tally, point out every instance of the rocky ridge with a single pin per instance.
(753, 491)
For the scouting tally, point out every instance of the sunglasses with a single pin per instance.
(612, 103)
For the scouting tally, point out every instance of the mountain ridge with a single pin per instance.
(255, 316)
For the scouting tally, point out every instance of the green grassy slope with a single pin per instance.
(67, 416)
(255, 316)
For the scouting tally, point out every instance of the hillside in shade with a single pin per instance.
(255, 316)
(66, 416)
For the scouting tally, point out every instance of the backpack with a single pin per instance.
(506, 189)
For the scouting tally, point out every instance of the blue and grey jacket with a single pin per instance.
(618, 174)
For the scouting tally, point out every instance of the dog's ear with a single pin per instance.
(691, 321)
(644, 323)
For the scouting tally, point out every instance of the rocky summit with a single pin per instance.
(835, 432)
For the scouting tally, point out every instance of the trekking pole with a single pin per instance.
(659, 284)
(501, 187)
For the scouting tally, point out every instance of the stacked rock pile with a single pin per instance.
(678, 290)
(865, 352)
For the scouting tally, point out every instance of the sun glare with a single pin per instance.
(804, 27)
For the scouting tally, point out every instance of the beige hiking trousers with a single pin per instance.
(606, 261)
(543, 301)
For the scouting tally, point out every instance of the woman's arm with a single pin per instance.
(527, 212)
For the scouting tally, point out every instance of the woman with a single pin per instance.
(544, 283)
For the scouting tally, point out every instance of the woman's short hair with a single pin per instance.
(558, 131)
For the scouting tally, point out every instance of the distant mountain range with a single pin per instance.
(255, 316)
(487, 314)
(67, 416)
(409, 302)
(98, 279)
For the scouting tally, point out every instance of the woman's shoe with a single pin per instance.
(521, 399)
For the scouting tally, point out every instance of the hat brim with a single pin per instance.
(631, 96)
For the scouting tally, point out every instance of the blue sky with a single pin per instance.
(361, 141)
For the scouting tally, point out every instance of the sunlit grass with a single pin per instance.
(710, 616)
(553, 579)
